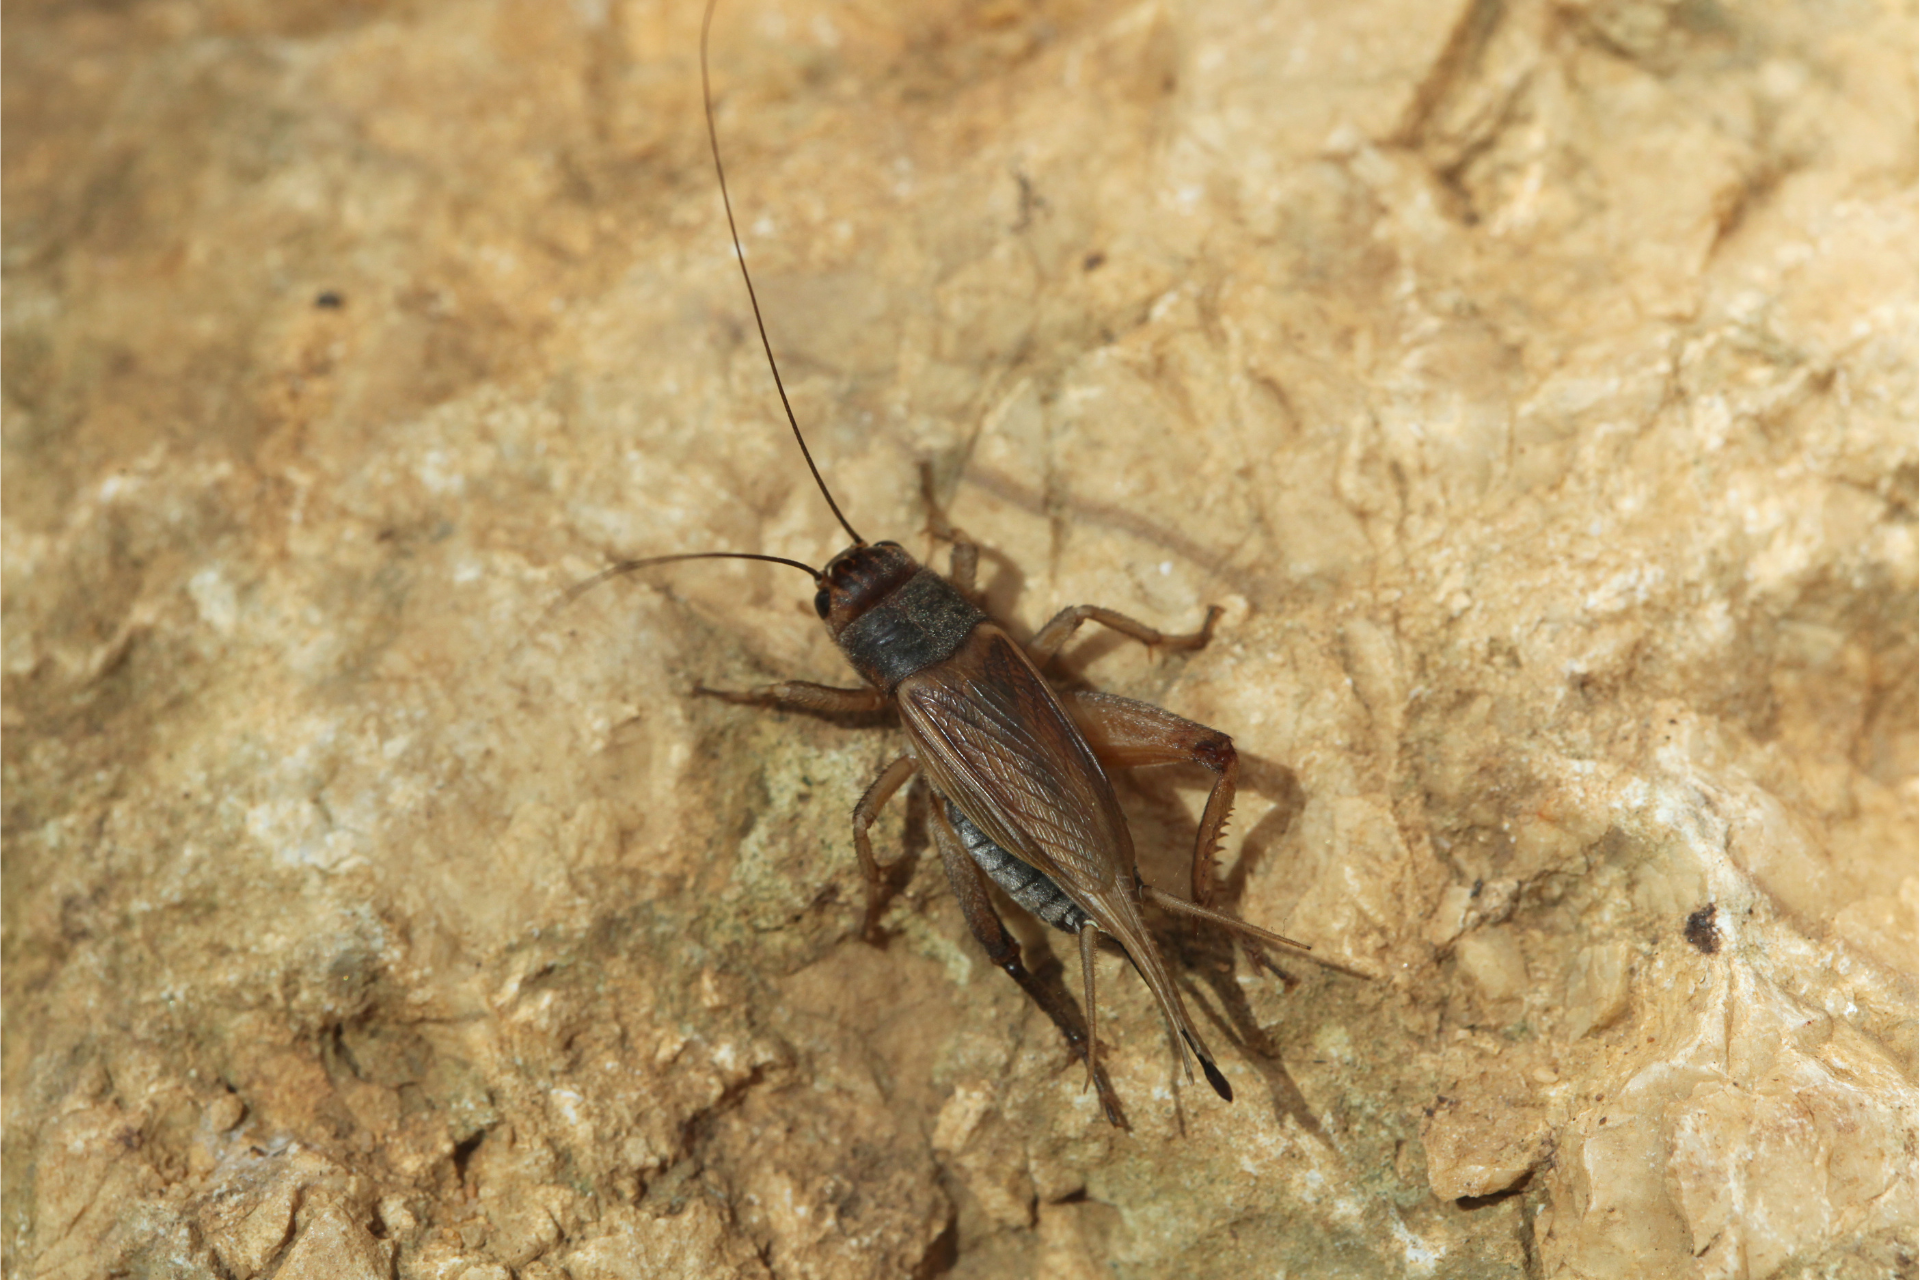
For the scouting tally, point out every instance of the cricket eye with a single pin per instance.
(821, 603)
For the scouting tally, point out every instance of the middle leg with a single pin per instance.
(1045, 645)
(891, 779)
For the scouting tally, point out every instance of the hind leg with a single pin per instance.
(1126, 734)
(976, 903)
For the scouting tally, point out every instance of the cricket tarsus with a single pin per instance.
(740, 255)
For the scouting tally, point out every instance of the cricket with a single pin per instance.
(1019, 770)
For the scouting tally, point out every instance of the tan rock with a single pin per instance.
(333, 1246)
(1533, 385)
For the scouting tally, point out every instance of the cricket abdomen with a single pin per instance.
(1031, 888)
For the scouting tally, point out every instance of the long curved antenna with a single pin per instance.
(579, 589)
(713, 141)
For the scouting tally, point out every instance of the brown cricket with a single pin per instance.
(1018, 768)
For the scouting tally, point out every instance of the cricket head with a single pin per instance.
(859, 578)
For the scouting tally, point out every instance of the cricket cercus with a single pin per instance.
(1018, 767)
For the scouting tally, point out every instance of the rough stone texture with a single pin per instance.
(1533, 383)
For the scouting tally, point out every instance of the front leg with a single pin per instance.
(1045, 645)
(802, 695)
(964, 566)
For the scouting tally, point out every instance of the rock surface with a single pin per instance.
(1533, 384)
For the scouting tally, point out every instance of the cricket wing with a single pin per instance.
(995, 740)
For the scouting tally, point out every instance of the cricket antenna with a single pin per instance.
(713, 141)
(628, 566)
